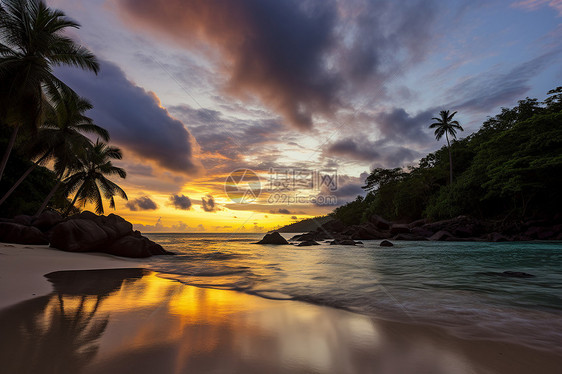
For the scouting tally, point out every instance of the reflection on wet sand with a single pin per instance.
(133, 321)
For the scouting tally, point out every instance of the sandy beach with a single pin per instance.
(58, 315)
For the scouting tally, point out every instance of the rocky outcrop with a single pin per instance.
(84, 232)
(273, 238)
(461, 228)
(11, 232)
(386, 243)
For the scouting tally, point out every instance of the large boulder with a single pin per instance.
(399, 228)
(380, 222)
(21, 234)
(23, 219)
(273, 238)
(134, 246)
(441, 235)
(47, 220)
(78, 235)
(386, 243)
(334, 226)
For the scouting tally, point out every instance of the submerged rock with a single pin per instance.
(386, 243)
(508, 274)
(307, 243)
(273, 238)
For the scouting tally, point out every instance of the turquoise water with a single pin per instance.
(422, 282)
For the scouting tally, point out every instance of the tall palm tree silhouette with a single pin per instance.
(445, 125)
(32, 41)
(91, 177)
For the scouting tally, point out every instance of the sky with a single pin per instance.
(241, 116)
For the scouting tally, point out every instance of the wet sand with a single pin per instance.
(135, 321)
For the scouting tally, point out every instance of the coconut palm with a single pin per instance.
(446, 126)
(90, 181)
(32, 42)
(61, 138)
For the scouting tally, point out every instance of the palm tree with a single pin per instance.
(32, 42)
(446, 126)
(61, 138)
(87, 182)
(64, 137)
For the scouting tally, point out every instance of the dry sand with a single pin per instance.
(136, 321)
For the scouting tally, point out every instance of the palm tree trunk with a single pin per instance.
(22, 178)
(71, 204)
(48, 198)
(450, 160)
(8, 150)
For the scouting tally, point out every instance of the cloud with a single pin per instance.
(134, 118)
(208, 204)
(294, 218)
(378, 153)
(361, 150)
(398, 125)
(484, 92)
(536, 4)
(300, 58)
(180, 202)
(141, 203)
(280, 211)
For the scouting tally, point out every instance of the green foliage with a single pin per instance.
(28, 197)
(512, 167)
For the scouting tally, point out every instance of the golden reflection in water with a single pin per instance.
(133, 321)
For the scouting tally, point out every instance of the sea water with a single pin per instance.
(456, 285)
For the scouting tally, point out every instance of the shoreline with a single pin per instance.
(144, 312)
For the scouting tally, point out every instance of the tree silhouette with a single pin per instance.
(445, 125)
(32, 41)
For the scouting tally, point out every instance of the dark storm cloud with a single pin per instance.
(208, 204)
(398, 125)
(180, 202)
(141, 203)
(134, 118)
(301, 58)
(484, 92)
(353, 149)
(378, 154)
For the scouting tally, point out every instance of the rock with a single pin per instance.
(132, 246)
(334, 226)
(78, 235)
(23, 220)
(409, 237)
(273, 238)
(20, 234)
(497, 237)
(399, 228)
(380, 222)
(47, 220)
(418, 223)
(386, 243)
(369, 231)
(297, 238)
(440, 235)
(343, 242)
(307, 243)
(508, 274)
(419, 231)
